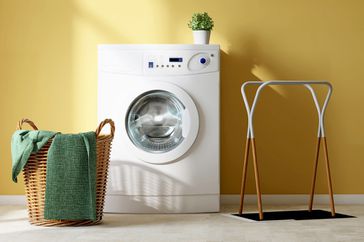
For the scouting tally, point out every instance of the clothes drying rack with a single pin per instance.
(250, 140)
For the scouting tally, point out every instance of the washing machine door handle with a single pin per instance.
(186, 122)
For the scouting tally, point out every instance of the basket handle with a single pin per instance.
(102, 124)
(28, 121)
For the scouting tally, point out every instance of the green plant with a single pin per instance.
(201, 21)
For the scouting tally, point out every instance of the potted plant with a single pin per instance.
(201, 25)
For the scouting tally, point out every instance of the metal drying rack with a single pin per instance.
(251, 140)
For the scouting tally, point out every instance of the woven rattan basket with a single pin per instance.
(35, 178)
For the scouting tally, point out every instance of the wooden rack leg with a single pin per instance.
(314, 174)
(328, 173)
(257, 183)
(243, 178)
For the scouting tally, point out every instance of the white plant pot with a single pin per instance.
(201, 37)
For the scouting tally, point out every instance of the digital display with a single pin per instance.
(175, 59)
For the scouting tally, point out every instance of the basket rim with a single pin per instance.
(102, 124)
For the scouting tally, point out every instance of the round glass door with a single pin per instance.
(154, 121)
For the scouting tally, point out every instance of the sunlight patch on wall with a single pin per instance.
(263, 73)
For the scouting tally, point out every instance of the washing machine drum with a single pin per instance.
(155, 122)
(161, 123)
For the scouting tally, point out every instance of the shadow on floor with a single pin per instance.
(295, 214)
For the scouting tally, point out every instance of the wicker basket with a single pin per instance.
(35, 178)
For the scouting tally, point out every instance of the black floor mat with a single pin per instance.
(296, 215)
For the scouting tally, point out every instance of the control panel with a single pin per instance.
(175, 62)
(181, 59)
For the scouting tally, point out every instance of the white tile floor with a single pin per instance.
(188, 227)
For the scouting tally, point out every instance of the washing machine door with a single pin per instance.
(161, 123)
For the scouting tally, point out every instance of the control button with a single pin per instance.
(150, 64)
(199, 61)
(162, 65)
(179, 65)
(157, 66)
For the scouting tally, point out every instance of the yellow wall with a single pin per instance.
(48, 72)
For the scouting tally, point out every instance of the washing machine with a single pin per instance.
(164, 100)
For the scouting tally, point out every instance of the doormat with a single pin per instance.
(293, 215)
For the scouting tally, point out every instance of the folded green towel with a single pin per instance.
(23, 143)
(71, 177)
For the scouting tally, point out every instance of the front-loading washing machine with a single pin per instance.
(164, 100)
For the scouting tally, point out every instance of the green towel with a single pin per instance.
(71, 177)
(23, 143)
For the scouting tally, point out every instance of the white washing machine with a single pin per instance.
(164, 100)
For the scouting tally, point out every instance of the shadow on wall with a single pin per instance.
(285, 122)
